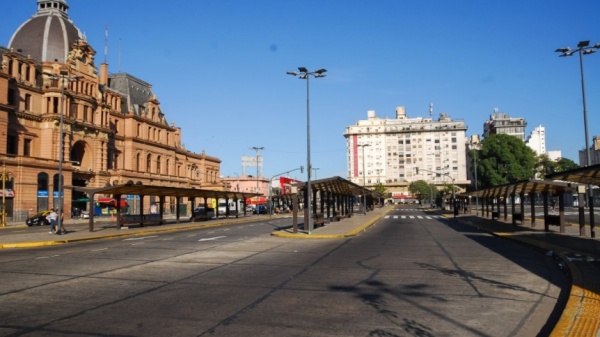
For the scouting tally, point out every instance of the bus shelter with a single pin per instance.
(160, 191)
(493, 198)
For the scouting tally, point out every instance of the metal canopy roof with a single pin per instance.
(583, 175)
(163, 191)
(526, 186)
(336, 185)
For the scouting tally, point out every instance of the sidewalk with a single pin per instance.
(580, 255)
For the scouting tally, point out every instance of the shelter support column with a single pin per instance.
(581, 208)
(532, 208)
(512, 207)
(561, 211)
(546, 225)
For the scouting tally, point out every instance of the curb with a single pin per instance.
(581, 315)
(354, 232)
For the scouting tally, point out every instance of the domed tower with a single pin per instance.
(48, 35)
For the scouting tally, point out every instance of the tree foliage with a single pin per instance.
(380, 189)
(565, 164)
(504, 159)
(423, 190)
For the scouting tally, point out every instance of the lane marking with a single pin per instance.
(210, 239)
(97, 250)
(142, 238)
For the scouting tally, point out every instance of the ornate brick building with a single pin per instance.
(113, 128)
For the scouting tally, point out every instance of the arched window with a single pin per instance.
(137, 162)
(149, 163)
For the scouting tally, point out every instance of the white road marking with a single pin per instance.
(210, 239)
(97, 250)
(142, 238)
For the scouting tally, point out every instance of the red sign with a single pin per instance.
(285, 184)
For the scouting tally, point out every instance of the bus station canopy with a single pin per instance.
(336, 185)
(525, 187)
(162, 191)
(589, 175)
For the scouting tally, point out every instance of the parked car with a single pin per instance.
(260, 209)
(202, 213)
(85, 215)
(38, 219)
(249, 208)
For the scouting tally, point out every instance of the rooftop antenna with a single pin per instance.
(430, 109)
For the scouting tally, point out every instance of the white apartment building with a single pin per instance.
(537, 140)
(390, 151)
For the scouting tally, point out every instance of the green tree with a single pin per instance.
(423, 190)
(565, 164)
(504, 159)
(544, 165)
(380, 190)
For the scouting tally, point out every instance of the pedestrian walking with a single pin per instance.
(52, 217)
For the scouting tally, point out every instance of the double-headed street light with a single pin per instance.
(583, 48)
(305, 74)
(364, 180)
(64, 78)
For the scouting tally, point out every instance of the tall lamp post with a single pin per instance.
(364, 180)
(583, 48)
(305, 74)
(64, 78)
(257, 149)
(6, 176)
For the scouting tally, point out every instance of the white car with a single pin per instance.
(85, 215)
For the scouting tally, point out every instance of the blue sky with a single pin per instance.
(219, 67)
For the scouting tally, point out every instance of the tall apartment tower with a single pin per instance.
(537, 140)
(395, 148)
(500, 122)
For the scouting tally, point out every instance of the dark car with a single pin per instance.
(38, 219)
(202, 214)
(260, 209)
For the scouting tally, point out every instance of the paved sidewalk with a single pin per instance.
(580, 255)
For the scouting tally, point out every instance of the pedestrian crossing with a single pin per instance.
(428, 217)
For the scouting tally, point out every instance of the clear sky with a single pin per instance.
(219, 68)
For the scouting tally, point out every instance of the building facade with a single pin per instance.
(389, 151)
(113, 128)
(594, 153)
(500, 122)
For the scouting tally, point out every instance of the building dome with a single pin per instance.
(48, 34)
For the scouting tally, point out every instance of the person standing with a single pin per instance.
(52, 217)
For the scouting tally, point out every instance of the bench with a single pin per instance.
(518, 216)
(552, 219)
(146, 219)
(318, 220)
(495, 215)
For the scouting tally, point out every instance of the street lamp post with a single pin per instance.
(5, 176)
(583, 48)
(257, 149)
(63, 77)
(364, 181)
(304, 74)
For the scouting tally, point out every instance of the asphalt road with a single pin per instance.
(411, 274)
